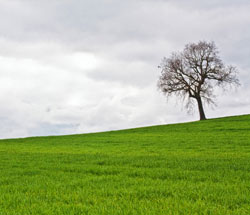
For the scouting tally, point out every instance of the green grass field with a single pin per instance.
(191, 168)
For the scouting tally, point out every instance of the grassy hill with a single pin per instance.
(191, 168)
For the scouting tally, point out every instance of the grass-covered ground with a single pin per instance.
(191, 168)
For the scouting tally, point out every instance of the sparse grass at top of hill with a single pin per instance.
(191, 168)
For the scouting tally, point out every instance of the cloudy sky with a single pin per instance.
(77, 66)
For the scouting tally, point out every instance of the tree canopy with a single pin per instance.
(193, 74)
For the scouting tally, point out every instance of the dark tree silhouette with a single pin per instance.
(193, 74)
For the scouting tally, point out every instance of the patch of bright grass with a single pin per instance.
(191, 168)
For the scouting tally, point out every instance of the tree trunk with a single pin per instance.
(201, 110)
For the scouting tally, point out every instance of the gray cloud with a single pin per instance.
(83, 66)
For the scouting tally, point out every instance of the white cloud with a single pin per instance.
(82, 66)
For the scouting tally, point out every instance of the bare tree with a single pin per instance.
(193, 74)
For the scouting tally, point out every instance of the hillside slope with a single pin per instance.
(191, 168)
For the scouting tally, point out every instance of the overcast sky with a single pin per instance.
(77, 66)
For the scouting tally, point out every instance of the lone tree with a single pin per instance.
(193, 74)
